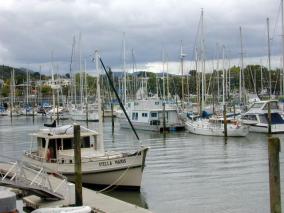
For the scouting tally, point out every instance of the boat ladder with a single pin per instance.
(31, 179)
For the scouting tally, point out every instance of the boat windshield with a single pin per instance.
(256, 105)
(273, 105)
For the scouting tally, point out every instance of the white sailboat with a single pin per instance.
(213, 126)
(54, 150)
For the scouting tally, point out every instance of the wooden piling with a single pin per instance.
(225, 121)
(77, 165)
(234, 108)
(112, 118)
(274, 175)
(269, 117)
(164, 118)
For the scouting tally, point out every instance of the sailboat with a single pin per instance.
(54, 150)
(213, 126)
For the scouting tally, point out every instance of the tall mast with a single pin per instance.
(269, 62)
(224, 75)
(218, 78)
(124, 69)
(100, 146)
(202, 64)
(242, 66)
(81, 70)
(182, 55)
(164, 86)
(168, 86)
(261, 76)
(86, 83)
(282, 20)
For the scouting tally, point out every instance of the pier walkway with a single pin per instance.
(48, 189)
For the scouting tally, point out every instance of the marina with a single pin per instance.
(183, 170)
(150, 106)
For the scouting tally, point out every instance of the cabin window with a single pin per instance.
(273, 105)
(135, 103)
(42, 141)
(135, 116)
(67, 143)
(251, 117)
(157, 103)
(256, 105)
(144, 114)
(85, 142)
(154, 114)
(263, 119)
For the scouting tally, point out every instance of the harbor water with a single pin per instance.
(183, 173)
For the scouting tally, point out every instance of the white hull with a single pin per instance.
(212, 130)
(106, 170)
(263, 128)
(146, 126)
(81, 116)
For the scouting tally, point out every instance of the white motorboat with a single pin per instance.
(54, 150)
(257, 117)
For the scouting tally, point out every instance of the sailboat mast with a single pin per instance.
(182, 55)
(242, 66)
(168, 86)
(218, 78)
(86, 83)
(164, 86)
(282, 21)
(100, 145)
(203, 64)
(269, 62)
(224, 75)
(80, 70)
(261, 76)
(124, 69)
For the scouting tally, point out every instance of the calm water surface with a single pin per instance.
(184, 172)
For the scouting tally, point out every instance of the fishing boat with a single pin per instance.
(257, 117)
(54, 150)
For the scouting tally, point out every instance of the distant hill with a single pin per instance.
(20, 74)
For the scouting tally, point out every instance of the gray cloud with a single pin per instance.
(31, 30)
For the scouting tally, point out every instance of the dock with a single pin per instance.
(38, 182)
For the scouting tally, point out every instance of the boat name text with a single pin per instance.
(109, 163)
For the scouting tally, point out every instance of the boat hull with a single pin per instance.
(124, 171)
(263, 128)
(232, 131)
(123, 123)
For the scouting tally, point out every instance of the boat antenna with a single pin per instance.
(117, 96)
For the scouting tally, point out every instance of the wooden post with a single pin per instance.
(269, 118)
(164, 118)
(274, 175)
(77, 165)
(234, 107)
(112, 118)
(87, 114)
(33, 112)
(225, 121)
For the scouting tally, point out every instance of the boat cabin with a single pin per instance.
(52, 143)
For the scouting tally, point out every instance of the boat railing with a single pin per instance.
(41, 159)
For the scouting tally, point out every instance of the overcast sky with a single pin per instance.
(30, 31)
